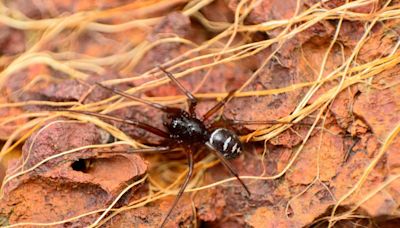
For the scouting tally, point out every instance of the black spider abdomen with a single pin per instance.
(226, 142)
(187, 129)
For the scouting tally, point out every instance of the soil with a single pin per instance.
(298, 177)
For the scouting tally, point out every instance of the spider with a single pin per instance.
(185, 129)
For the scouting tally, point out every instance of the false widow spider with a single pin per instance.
(186, 130)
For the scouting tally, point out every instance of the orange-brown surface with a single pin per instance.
(331, 67)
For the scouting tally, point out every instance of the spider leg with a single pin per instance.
(219, 105)
(260, 122)
(189, 95)
(228, 166)
(138, 124)
(184, 185)
(152, 104)
(153, 150)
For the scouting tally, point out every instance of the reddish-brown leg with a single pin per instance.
(260, 122)
(154, 150)
(218, 106)
(152, 104)
(189, 95)
(228, 166)
(138, 124)
(183, 187)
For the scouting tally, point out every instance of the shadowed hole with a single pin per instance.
(82, 165)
